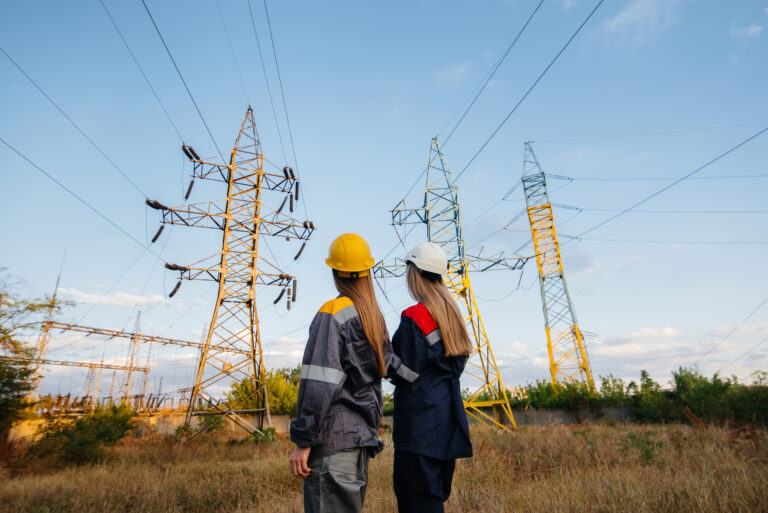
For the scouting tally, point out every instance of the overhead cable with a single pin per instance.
(79, 198)
(143, 74)
(285, 106)
(178, 71)
(492, 73)
(77, 127)
(739, 325)
(682, 178)
(551, 63)
(266, 81)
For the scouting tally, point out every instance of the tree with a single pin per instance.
(18, 317)
(282, 387)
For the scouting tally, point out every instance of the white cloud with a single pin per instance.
(568, 4)
(115, 299)
(642, 18)
(749, 32)
(667, 332)
(453, 74)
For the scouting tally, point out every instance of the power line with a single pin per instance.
(669, 186)
(551, 63)
(80, 199)
(762, 341)
(651, 179)
(493, 72)
(285, 107)
(143, 74)
(650, 134)
(157, 29)
(653, 241)
(77, 127)
(232, 51)
(739, 325)
(671, 211)
(266, 80)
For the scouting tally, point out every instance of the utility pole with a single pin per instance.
(239, 266)
(441, 215)
(568, 359)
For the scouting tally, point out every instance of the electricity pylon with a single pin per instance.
(441, 214)
(243, 216)
(567, 353)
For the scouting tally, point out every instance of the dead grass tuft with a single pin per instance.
(589, 467)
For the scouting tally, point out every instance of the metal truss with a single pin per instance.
(232, 351)
(568, 359)
(441, 214)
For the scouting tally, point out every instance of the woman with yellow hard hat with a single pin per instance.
(339, 405)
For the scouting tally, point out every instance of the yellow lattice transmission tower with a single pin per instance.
(568, 359)
(441, 213)
(247, 213)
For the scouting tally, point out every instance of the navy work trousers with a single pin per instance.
(422, 484)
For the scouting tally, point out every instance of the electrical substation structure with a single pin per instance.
(441, 214)
(246, 214)
(568, 360)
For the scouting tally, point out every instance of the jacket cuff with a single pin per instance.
(304, 432)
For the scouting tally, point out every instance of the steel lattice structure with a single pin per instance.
(568, 359)
(243, 217)
(441, 213)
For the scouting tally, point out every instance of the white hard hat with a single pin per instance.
(429, 257)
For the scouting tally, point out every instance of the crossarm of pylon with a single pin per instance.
(72, 364)
(128, 335)
(220, 173)
(213, 215)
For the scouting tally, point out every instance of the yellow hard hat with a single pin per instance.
(350, 255)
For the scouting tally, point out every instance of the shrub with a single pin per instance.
(83, 440)
(282, 387)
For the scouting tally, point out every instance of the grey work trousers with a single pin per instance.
(337, 483)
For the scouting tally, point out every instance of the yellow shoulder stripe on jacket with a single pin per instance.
(335, 305)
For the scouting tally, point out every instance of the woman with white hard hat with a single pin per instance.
(431, 347)
(340, 405)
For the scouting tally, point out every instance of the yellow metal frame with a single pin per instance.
(568, 359)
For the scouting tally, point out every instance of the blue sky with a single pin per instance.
(647, 92)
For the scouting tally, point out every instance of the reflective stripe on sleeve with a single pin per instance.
(433, 337)
(324, 374)
(403, 370)
(345, 314)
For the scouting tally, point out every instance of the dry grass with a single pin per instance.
(595, 468)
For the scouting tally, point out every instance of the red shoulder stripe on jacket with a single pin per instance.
(421, 316)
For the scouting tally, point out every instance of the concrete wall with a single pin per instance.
(165, 424)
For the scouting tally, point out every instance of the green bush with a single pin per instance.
(282, 387)
(83, 440)
(710, 399)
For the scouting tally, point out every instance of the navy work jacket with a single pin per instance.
(429, 416)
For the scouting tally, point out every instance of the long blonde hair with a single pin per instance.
(360, 291)
(436, 297)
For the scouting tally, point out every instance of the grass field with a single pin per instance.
(591, 467)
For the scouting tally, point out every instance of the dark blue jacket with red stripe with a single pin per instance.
(429, 416)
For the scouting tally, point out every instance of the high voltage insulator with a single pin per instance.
(441, 214)
(300, 251)
(568, 360)
(279, 297)
(155, 204)
(293, 297)
(186, 152)
(240, 268)
(280, 208)
(157, 235)
(189, 189)
(296, 191)
(175, 289)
